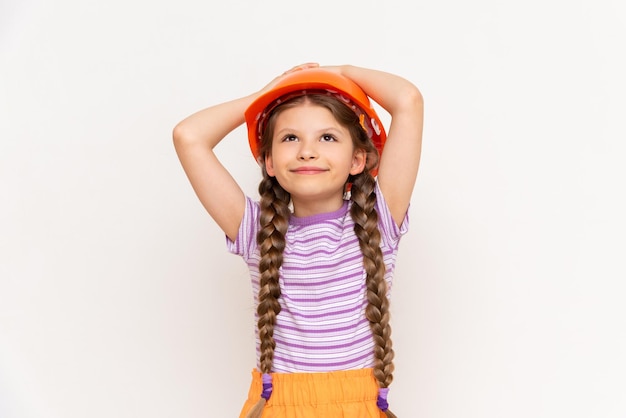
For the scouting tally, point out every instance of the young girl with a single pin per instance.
(321, 242)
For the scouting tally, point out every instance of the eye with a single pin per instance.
(328, 138)
(290, 138)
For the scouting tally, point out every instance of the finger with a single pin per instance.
(302, 67)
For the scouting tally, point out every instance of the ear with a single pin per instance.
(269, 166)
(358, 161)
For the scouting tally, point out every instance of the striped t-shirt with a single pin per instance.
(322, 325)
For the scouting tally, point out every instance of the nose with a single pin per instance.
(307, 151)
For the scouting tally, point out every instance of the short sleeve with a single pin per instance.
(245, 243)
(390, 231)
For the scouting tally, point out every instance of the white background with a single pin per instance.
(117, 295)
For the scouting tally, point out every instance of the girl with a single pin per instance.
(322, 240)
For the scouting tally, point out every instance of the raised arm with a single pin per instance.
(194, 140)
(400, 158)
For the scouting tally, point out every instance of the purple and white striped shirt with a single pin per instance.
(322, 325)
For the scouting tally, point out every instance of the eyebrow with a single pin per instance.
(330, 129)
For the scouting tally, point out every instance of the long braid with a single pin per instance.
(365, 218)
(274, 221)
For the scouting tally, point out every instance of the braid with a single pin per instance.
(365, 218)
(274, 221)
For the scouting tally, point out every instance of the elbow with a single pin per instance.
(409, 100)
(414, 98)
(181, 135)
(178, 133)
(415, 102)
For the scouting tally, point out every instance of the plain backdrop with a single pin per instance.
(119, 299)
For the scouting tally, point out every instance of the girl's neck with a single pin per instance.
(309, 207)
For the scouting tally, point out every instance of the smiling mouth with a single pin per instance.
(308, 170)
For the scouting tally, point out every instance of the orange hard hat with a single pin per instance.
(313, 80)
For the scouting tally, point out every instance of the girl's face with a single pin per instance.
(311, 158)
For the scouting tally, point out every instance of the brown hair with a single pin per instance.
(274, 221)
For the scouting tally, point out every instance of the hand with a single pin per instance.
(304, 66)
(333, 68)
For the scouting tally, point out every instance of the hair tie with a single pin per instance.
(267, 386)
(382, 399)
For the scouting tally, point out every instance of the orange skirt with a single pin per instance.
(350, 393)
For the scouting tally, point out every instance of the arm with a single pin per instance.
(399, 162)
(195, 138)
